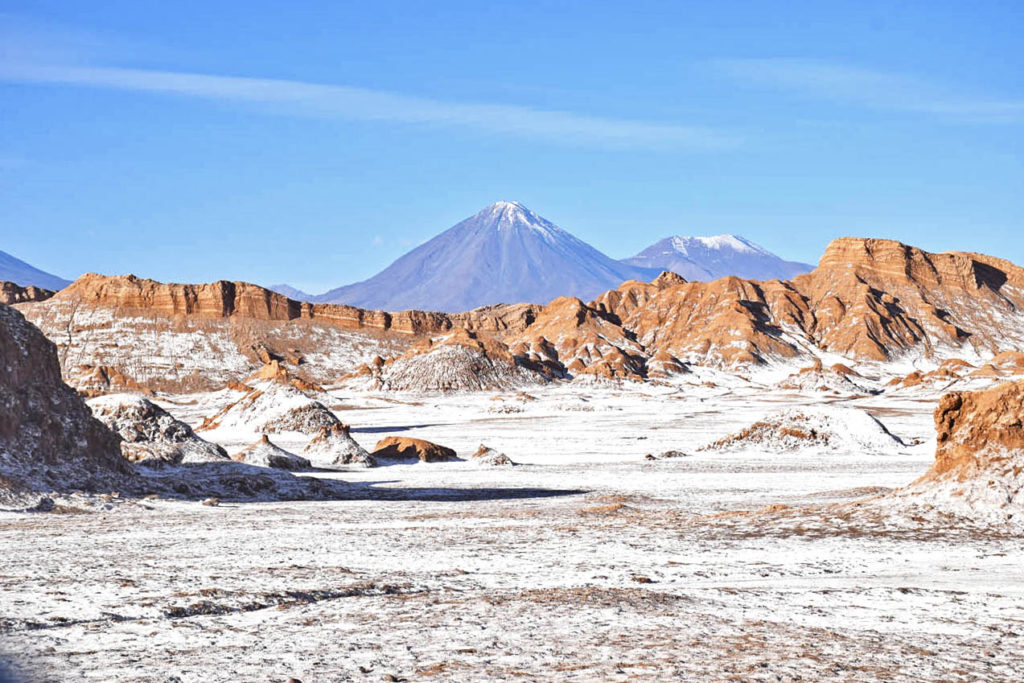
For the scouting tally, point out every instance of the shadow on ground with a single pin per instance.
(388, 429)
(242, 483)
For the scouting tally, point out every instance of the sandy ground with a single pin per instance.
(586, 562)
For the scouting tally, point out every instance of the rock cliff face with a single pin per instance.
(974, 427)
(49, 439)
(868, 301)
(128, 294)
(174, 337)
(877, 298)
(979, 456)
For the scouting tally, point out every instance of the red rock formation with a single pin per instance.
(13, 293)
(396, 447)
(92, 381)
(979, 455)
(868, 300)
(222, 299)
(975, 427)
(585, 340)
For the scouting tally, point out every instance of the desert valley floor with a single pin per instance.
(586, 561)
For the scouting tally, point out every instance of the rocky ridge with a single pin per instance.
(868, 301)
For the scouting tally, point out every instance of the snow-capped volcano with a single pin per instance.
(504, 254)
(709, 258)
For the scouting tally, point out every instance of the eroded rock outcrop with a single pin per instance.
(272, 406)
(979, 455)
(49, 440)
(403, 448)
(460, 361)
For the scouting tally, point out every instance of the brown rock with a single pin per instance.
(97, 380)
(49, 439)
(12, 293)
(868, 299)
(972, 425)
(979, 454)
(396, 447)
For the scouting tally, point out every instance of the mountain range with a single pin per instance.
(507, 253)
(17, 271)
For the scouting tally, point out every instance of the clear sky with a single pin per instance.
(315, 142)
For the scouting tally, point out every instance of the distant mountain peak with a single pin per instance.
(714, 256)
(504, 253)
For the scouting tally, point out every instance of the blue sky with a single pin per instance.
(314, 143)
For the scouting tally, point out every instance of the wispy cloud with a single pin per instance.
(874, 89)
(338, 101)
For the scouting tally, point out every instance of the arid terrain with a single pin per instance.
(730, 480)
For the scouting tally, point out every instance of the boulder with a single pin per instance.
(402, 448)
